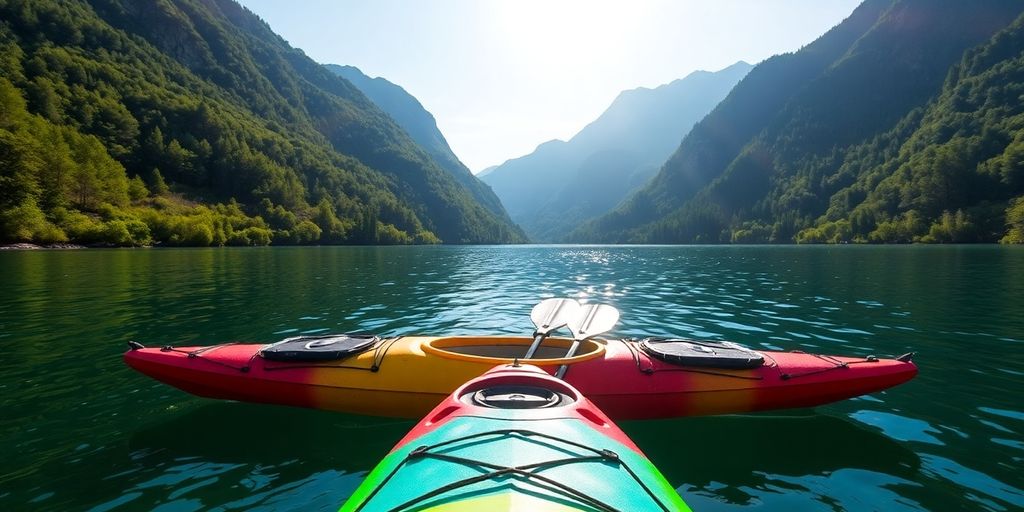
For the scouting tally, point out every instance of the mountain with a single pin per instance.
(193, 123)
(561, 184)
(486, 171)
(792, 137)
(407, 111)
(958, 175)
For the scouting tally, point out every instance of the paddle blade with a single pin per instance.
(551, 314)
(593, 319)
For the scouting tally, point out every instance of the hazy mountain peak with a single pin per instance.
(609, 157)
(783, 147)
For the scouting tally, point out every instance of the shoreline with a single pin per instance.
(25, 246)
(36, 247)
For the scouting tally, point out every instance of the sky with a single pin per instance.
(502, 76)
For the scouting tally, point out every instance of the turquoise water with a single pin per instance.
(80, 431)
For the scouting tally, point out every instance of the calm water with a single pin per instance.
(80, 431)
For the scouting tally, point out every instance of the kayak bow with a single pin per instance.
(515, 439)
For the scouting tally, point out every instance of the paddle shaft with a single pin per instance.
(576, 341)
(538, 338)
(572, 351)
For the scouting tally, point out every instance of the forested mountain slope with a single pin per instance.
(958, 175)
(561, 184)
(420, 124)
(791, 139)
(107, 102)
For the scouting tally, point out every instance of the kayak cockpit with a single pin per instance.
(505, 349)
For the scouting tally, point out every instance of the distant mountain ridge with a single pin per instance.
(562, 183)
(766, 164)
(485, 171)
(420, 124)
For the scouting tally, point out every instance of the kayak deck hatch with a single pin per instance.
(329, 347)
(704, 354)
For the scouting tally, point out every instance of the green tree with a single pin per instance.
(952, 228)
(156, 183)
(1014, 222)
(331, 228)
(26, 223)
(137, 190)
(306, 232)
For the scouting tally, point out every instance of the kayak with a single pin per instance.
(515, 439)
(407, 376)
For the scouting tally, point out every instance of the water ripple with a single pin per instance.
(82, 432)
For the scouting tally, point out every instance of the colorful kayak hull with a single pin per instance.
(408, 376)
(466, 457)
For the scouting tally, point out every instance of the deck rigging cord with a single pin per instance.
(380, 351)
(526, 471)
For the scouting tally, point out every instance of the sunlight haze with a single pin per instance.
(503, 77)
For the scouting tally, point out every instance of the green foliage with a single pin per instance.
(390, 235)
(20, 163)
(26, 223)
(177, 223)
(1015, 222)
(193, 231)
(130, 232)
(250, 236)
(332, 230)
(111, 227)
(277, 216)
(425, 237)
(906, 228)
(951, 228)
(43, 168)
(96, 178)
(78, 226)
(137, 190)
(306, 232)
(156, 183)
(202, 99)
(835, 232)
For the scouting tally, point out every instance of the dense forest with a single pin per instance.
(192, 123)
(905, 123)
(420, 124)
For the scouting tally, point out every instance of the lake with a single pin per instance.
(80, 431)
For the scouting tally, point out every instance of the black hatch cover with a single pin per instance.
(328, 347)
(705, 354)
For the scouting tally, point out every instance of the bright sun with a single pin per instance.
(577, 34)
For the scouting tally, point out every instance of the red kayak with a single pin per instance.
(408, 376)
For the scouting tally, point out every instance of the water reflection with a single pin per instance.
(268, 436)
(80, 430)
(259, 456)
(735, 460)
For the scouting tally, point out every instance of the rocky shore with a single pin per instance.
(32, 247)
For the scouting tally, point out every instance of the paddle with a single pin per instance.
(548, 315)
(593, 319)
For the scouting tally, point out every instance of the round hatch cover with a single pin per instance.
(516, 397)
